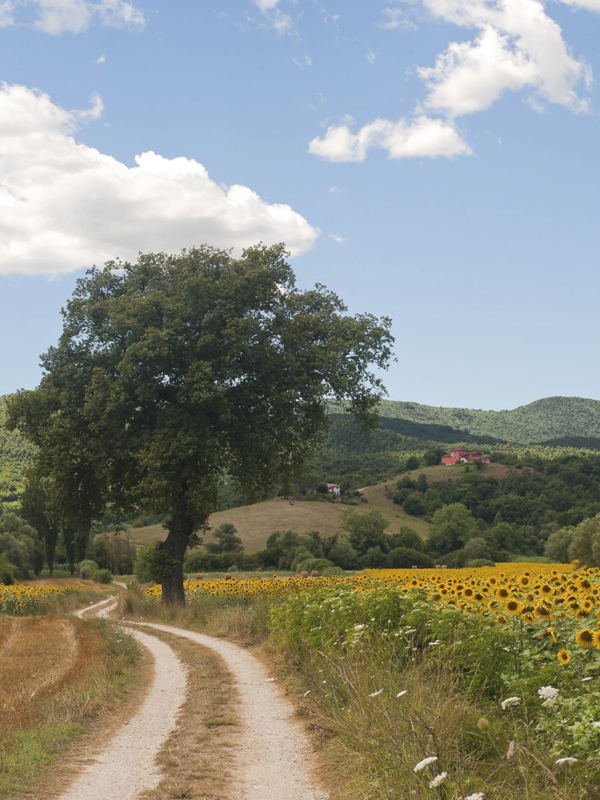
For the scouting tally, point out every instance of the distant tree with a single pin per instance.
(477, 548)
(322, 488)
(451, 528)
(433, 457)
(406, 537)
(365, 529)
(36, 510)
(179, 369)
(373, 558)
(412, 462)
(414, 505)
(421, 483)
(558, 545)
(343, 554)
(585, 546)
(8, 571)
(21, 544)
(227, 541)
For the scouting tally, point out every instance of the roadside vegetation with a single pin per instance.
(428, 683)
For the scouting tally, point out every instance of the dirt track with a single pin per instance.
(273, 761)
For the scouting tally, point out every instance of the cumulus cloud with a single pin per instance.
(70, 16)
(64, 205)
(406, 138)
(470, 76)
(519, 46)
(337, 237)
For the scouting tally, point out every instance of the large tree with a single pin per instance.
(177, 368)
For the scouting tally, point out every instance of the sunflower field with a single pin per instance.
(22, 599)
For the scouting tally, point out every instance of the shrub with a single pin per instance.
(86, 569)
(414, 505)
(480, 562)
(103, 576)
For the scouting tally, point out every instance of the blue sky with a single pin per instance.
(434, 161)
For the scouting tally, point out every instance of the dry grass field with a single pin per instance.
(255, 523)
(56, 674)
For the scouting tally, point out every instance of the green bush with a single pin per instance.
(87, 569)
(103, 576)
(407, 557)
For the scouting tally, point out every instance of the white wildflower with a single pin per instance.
(404, 691)
(374, 694)
(596, 725)
(475, 796)
(510, 702)
(567, 761)
(426, 761)
(438, 779)
(358, 627)
(548, 693)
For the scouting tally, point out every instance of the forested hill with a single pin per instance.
(542, 421)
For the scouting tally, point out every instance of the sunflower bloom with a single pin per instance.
(585, 638)
(564, 656)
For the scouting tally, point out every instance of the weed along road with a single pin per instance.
(271, 762)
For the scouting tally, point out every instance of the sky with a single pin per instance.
(434, 161)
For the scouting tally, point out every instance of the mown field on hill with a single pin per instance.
(255, 523)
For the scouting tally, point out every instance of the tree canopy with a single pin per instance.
(173, 370)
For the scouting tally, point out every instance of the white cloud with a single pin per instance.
(64, 205)
(406, 138)
(266, 5)
(71, 16)
(371, 56)
(101, 59)
(334, 189)
(6, 13)
(519, 46)
(470, 76)
(337, 237)
(589, 5)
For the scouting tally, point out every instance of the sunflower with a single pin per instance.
(552, 634)
(585, 638)
(501, 619)
(597, 639)
(581, 614)
(563, 656)
(513, 607)
(528, 618)
(546, 589)
(502, 593)
(542, 612)
(524, 580)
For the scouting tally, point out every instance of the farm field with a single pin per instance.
(56, 675)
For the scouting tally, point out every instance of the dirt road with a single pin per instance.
(272, 762)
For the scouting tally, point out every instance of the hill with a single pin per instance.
(255, 523)
(548, 419)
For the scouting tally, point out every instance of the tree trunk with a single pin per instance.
(181, 528)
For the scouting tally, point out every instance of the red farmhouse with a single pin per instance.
(461, 456)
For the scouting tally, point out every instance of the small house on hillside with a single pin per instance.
(461, 456)
(334, 488)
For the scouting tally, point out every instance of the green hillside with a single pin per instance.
(542, 421)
